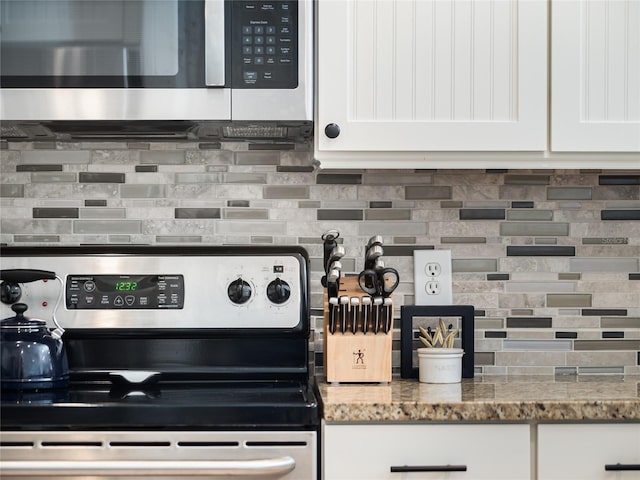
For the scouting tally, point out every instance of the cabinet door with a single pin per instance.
(589, 452)
(432, 75)
(418, 451)
(595, 89)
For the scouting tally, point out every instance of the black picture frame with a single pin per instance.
(408, 312)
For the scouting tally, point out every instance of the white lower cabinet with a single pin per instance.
(589, 452)
(426, 451)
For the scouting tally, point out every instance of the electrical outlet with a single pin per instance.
(432, 277)
(433, 288)
(433, 269)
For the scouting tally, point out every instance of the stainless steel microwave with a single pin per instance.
(136, 60)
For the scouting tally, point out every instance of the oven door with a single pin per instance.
(159, 454)
(113, 59)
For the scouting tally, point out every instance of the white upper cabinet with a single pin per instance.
(595, 89)
(478, 83)
(431, 75)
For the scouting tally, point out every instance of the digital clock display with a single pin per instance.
(126, 286)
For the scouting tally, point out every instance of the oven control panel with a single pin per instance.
(230, 290)
(129, 291)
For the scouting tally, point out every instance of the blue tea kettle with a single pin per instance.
(32, 356)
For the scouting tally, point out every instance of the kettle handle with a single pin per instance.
(22, 275)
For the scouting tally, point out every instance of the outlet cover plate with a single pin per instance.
(432, 268)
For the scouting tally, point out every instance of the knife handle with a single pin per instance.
(375, 240)
(344, 313)
(354, 313)
(377, 314)
(333, 313)
(329, 243)
(366, 314)
(388, 314)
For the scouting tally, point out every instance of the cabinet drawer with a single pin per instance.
(369, 451)
(589, 452)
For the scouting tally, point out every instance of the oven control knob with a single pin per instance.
(10, 292)
(278, 291)
(239, 291)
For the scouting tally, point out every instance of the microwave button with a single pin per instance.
(271, 30)
(250, 77)
(285, 19)
(247, 39)
(258, 50)
(247, 30)
(271, 50)
(285, 50)
(246, 60)
(285, 60)
(284, 6)
(271, 40)
(248, 50)
(258, 40)
(259, 60)
(259, 30)
(285, 39)
(285, 30)
(270, 61)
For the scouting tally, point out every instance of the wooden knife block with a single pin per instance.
(357, 358)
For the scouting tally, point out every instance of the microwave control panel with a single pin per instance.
(264, 44)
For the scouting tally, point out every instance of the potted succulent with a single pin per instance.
(439, 361)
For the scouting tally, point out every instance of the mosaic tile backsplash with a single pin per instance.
(549, 259)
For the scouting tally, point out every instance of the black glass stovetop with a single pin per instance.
(197, 405)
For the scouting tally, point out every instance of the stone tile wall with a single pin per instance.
(550, 259)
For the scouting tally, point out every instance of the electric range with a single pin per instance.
(183, 361)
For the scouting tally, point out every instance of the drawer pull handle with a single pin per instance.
(618, 467)
(429, 468)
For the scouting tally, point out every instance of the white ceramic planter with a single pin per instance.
(440, 365)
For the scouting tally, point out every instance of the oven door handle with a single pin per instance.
(214, 43)
(150, 468)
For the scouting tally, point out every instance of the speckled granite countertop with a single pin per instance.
(488, 398)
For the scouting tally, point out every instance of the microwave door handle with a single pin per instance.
(214, 35)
